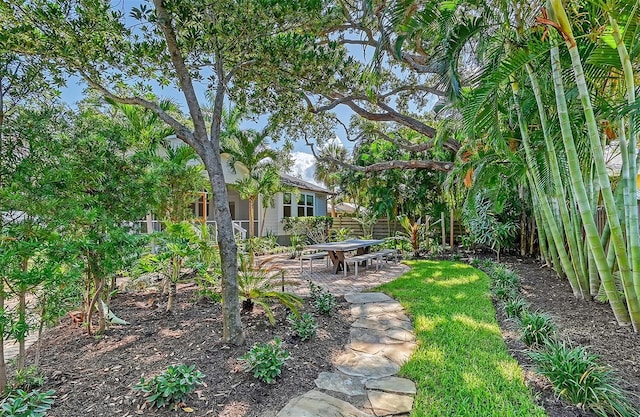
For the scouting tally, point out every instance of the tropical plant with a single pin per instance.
(172, 386)
(328, 170)
(266, 360)
(486, 228)
(414, 233)
(259, 285)
(577, 376)
(536, 328)
(179, 242)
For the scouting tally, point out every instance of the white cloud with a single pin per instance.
(304, 166)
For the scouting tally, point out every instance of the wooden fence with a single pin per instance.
(383, 228)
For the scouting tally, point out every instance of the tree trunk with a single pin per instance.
(3, 366)
(22, 314)
(232, 332)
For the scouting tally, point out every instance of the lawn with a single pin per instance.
(462, 366)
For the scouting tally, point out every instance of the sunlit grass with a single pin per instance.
(461, 366)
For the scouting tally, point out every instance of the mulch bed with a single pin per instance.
(94, 376)
(586, 323)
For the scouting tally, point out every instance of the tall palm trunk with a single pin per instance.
(575, 172)
(617, 235)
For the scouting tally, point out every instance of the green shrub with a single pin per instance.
(172, 386)
(315, 290)
(577, 376)
(514, 307)
(266, 360)
(21, 403)
(325, 303)
(304, 326)
(537, 328)
(27, 379)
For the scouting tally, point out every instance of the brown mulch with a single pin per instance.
(94, 376)
(586, 323)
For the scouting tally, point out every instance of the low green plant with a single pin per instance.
(172, 386)
(341, 234)
(266, 360)
(21, 403)
(27, 379)
(259, 285)
(304, 325)
(577, 376)
(325, 303)
(514, 307)
(315, 290)
(536, 328)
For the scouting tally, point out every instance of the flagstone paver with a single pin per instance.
(382, 339)
(339, 382)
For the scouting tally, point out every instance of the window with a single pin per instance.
(305, 205)
(286, 205)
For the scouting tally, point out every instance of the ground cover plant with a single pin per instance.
(461, 366)
(575, 374)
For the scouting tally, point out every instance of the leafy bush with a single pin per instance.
(577, 376)
(21, 403)
(514, 307)
(325, 303)
(266, 360)
(314, 228)
(314, 290)
(27, 379)
(537, 328)
(341, 234)
(172, 386)
(304, 326)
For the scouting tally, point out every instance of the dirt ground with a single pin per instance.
(586, 323)
(95, 375)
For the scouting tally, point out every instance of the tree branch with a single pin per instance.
(181, 130)
(184, 78)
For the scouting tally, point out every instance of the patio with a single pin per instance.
(337, 284)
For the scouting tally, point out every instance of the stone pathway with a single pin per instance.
(382, 339)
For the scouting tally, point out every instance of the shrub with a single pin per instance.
(21, 403)
(27, 379)
(325, 303)
(537, 328)
(172, 386)
(315, 290)
(576, 376)
(266, 360)
(304, 326)
(514, 307)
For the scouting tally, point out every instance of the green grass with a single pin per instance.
(461, 366)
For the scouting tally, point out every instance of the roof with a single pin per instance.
(302, 184)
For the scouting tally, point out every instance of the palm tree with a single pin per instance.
(248, 153)
(328, 171)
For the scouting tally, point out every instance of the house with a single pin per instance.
(307, 200)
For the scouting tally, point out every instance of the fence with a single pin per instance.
(384, 228)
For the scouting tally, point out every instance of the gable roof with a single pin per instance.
(302, 184)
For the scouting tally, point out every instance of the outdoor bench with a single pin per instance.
(311, 257)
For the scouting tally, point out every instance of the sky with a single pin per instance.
(304, 165)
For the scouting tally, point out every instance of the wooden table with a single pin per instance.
(337, 250)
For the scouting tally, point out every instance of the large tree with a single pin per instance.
(238, 49)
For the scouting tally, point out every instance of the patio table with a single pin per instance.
(337, 250)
